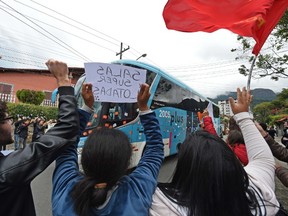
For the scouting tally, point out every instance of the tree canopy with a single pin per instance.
(270, 112)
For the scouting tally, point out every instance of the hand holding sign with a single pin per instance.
(143, 97)
(114, 83)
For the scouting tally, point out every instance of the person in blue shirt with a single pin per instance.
(104, 188)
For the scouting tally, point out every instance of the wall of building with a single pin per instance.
(37, 82)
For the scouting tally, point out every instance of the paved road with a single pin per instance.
(41, 186)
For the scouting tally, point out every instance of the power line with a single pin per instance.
(41, 47)
(74, 21)
(92, 42)
(69, 47)
(93, 29)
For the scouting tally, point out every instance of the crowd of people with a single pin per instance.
(212, 177)
(21, 129)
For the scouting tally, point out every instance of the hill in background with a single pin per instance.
(259, 95)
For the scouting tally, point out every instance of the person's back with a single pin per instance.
(272, 132)
(103, 188)
(209, 180)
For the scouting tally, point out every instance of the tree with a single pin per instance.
(30, 96)
(272, 61)
(270, 112)
(262, 111)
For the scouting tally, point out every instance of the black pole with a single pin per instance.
(122, 51)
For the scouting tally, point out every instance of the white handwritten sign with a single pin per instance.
(114, 83)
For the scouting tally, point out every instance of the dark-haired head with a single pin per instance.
(105, 159)
(263, 125)
(5, 125)
(233, 125)
(209, 179)
(235, 137)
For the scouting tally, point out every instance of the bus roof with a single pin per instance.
(163, 74)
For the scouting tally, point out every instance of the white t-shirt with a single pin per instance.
(260, 170)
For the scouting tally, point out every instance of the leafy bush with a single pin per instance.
(273, 119)
(30, 96)
(32, 110)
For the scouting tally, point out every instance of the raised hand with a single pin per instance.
(87, 95)
(60, 72)
(143, 97)
(244, 99)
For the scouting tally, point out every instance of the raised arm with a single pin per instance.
(278, 150)
(261, 160)
(145, 174)
(67, 163)
(33, 159)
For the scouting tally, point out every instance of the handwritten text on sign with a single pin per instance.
(114, 83)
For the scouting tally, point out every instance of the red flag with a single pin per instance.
(252, 18)
(271, 18)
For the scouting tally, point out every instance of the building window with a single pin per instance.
(6, 88)
(48, 95)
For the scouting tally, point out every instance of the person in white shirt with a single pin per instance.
(209, 179)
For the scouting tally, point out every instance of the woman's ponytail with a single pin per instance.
(105, 158)
(85, 195)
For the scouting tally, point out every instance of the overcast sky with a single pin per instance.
(92, 30)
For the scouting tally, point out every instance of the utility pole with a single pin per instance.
(122, 51)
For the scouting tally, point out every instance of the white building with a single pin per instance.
(225, 108)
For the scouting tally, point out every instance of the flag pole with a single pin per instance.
(250, 72)
(249, 79)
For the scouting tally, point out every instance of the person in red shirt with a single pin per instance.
(208, 123)
(235, 141)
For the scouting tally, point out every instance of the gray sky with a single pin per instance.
(93, 30)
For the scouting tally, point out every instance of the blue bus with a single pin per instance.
(176, 105)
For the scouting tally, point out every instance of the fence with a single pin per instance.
(8, 97)
(49, 103)
(12, 99)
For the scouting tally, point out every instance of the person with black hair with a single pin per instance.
(23, 132)
(39, 127)
(272, 132)
(104, 188)
(17, 123)
(263, 125)
(20, 167)
(210, 180)
(235, 140)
